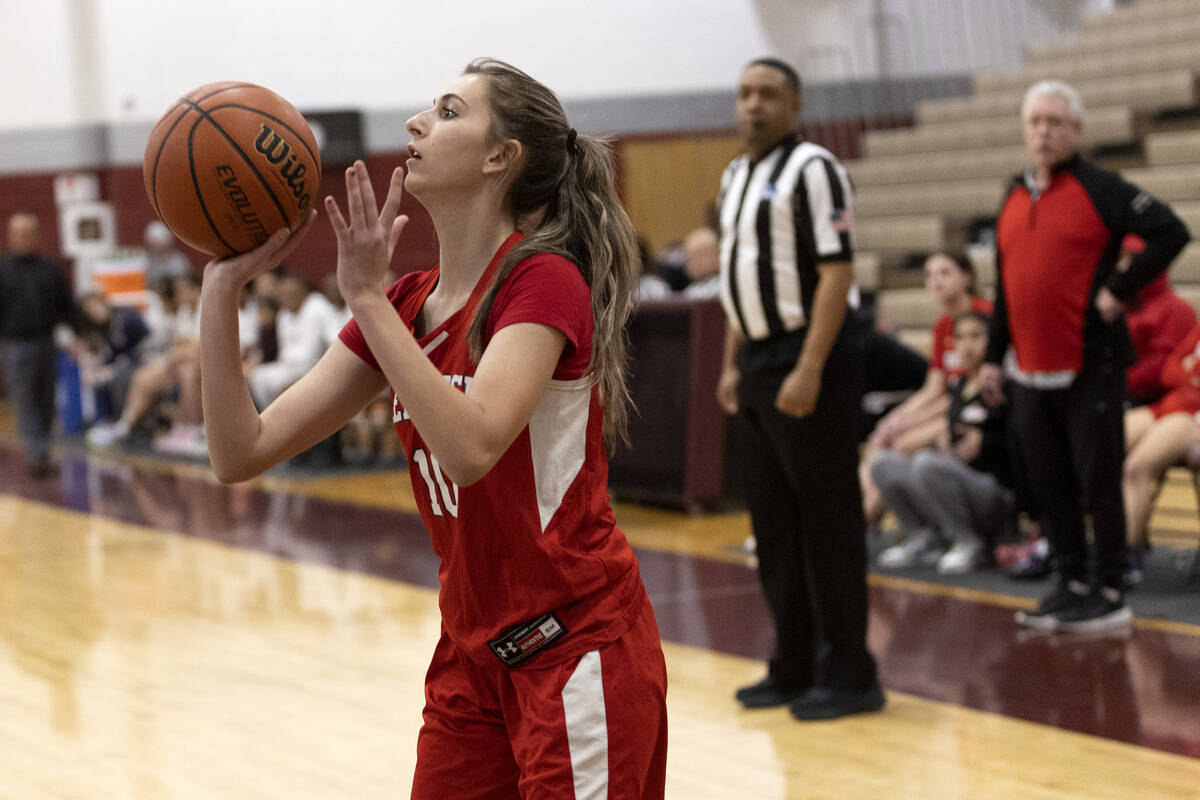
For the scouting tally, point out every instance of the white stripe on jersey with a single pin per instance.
(437, 341)
(558, 441)
(587, 728)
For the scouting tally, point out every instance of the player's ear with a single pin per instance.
(504, 157)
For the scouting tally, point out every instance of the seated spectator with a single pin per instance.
(175, 371)
(1157, 323)
(650, 285)
(670, 266)
(1156, 437)
(109, 346)
(339, 312)
(302, 322)
(918, 421)
(958, 495)
(702, 264)
(264, 301)
(164, 263)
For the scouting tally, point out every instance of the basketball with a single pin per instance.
(229, 164)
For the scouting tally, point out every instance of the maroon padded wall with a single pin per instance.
(123, 187)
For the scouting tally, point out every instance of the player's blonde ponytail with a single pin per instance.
(566, 190)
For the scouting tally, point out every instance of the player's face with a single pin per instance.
(766, 108)
(944, 280)
(450, 147)
(970, 340)
(1051, 134)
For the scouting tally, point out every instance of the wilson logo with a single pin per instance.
(279, 153)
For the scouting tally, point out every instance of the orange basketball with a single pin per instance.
(228, 165)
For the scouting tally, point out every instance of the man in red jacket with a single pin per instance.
(1059, 305)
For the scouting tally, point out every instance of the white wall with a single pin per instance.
(73, 62)
(832, 40)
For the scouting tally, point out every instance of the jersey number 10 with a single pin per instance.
(437, 484)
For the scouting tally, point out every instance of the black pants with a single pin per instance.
(1073, 445)
(801, 483)
(30, 369)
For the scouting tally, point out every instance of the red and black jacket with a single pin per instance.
(1053, 254)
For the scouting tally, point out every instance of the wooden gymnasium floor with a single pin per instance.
(162, 636)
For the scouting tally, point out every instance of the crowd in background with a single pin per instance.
(941, 461)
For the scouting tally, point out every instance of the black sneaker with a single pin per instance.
(1135, 566)
(1045, 617)
(821, 702)
(766, 694)
(1100, 611)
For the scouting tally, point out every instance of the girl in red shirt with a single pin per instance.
(506, 363)
(916, 423)
(1157, 436)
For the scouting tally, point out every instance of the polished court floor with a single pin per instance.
(162, 636)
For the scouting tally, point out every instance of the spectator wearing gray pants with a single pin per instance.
(956, 496)
(34, 298)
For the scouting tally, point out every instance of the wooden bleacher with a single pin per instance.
(921, 189)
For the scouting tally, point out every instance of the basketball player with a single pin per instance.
(506, 362)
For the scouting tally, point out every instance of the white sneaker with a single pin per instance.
(198, 449)
(919, 548)
(106, 435)
(963, 557)
(178, 440)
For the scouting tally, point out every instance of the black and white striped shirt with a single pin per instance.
(780, 218)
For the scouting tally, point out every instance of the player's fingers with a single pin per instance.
(335, 217)
(291, 242)
(395, 231)
(366, 192)
(354, 207)
(391, 204)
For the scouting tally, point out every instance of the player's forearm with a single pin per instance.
(231, 421)
(455, 426)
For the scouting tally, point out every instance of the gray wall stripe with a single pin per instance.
(122, 144)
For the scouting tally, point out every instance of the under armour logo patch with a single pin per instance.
(520, 642)
(842, 220)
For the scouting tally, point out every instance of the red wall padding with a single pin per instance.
(123, 187)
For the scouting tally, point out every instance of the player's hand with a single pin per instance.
(885, 431)
(970, 445)
(991, 384)
(798, 394)
(366, 242)
(727, 386)
(245, 267)
(1108, 305)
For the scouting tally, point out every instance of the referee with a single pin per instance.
(792, 376)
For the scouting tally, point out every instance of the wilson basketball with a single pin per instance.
(228, 165)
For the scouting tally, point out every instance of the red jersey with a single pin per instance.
(1156, 324)
(945, 355)
(536, 535)
(1183, 381)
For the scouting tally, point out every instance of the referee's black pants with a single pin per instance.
(1073, 449)
(801, 485)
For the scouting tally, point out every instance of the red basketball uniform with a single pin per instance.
(1184, 383)
(945, 354)
(544, 615)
